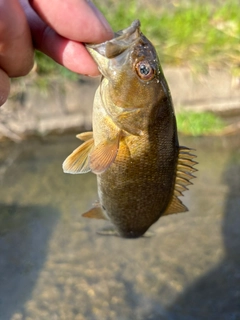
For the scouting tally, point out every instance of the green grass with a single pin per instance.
(46, 66)
(198, 124)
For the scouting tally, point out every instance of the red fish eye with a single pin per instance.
(144, 70)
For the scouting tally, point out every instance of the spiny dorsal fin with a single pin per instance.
(185, 165)
(182, 166)
(84, 136)
(78, 162)
(104, 154)
(185, 154)
(95, 213)
(186, 162)
(180, 187)
(183, 176)
(177, 193)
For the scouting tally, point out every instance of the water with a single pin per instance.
(53, 265)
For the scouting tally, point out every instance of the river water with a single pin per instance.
(53, 264)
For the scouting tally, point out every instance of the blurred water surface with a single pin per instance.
(53, 265)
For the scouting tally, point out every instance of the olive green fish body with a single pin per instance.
(135, 190)
(134, 150)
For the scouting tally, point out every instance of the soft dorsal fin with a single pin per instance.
(78, 162)
(183, 175)
(104, 154)
(95, 213)
(175, 206)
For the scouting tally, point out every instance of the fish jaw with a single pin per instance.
(116, 48)
(121, 41)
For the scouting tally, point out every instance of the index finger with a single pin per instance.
(77, 20)
(65, 28)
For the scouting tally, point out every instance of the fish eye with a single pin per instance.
(144, 70)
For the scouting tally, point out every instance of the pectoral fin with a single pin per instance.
(104, 154)
(84, 136)
(78, 162)
(183, 176)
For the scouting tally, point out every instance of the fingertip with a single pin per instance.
(76, 58)
(75, 20)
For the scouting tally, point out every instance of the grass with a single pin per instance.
(199, 123)
(46, 66)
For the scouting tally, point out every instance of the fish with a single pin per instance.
(133, 147)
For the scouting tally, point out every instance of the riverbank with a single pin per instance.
(40, 106)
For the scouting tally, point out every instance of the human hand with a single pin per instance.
(16, 50)
(58, 29)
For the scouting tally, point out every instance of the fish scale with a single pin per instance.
(133, 149)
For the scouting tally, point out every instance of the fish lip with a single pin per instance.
(121, 41)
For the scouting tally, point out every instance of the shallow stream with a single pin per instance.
(53, 265)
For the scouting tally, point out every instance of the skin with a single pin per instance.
(59, 31)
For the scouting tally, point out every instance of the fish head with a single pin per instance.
(130, 65)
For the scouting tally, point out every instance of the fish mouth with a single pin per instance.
(121, 41)
(110, 49)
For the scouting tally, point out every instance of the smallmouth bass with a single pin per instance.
(133, 149)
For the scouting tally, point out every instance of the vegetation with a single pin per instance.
(199, 123)
(46, 65)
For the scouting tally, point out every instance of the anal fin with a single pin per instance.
(95, 213)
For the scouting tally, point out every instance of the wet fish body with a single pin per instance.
(133, 149)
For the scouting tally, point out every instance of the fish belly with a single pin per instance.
(135, 190)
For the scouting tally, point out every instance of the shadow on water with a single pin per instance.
(24, 235)
(216, 295)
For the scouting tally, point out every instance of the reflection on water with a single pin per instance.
(24, 235)
(53, 265)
